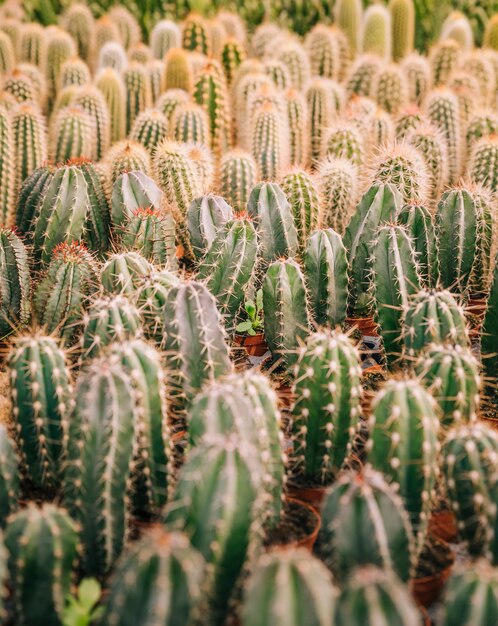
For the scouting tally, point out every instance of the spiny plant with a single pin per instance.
(72, 135)
(362, 75)
(337, 181)
(327, 406)
(430, 144)
(206, 216)
(110, 84)
(390, 89)
(377, 36)
(29, 140)
(302, 194)
(344, 141)
(191, 124)
(123, 272)
(418, 222)
(9, 476)
(481, 166)
(418, 75)
(443, 111)
(150, 127)
(150, 299)
(296, 121)
(403, 27)
(15, 275)
(320, 106)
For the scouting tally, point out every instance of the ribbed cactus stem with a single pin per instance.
(302, 194)
(237, 178)
(403, 27)
(377, 37)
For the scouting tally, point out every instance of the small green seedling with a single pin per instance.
(82, 609)
(254, 311)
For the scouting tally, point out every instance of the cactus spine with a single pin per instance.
(112, 87)
(443, 111)
(149, 128)
(237, 178)
(7, 169)
(123, 272)
(302, 195)
(29, 140)
(482, 168)
(471, 596)
(206, 216)
(15, 274)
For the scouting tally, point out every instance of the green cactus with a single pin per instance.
(408, 120)
(7, 170)
(73, 206)
(91, 100)
(362, 75)
(33, 46)
(344, 141)
(178, 73)
(97, 480)
(65, 290)
(276, 578)
(294, 56)
(321, 108)
(378, 205)
(42, 551)
(165, 35)
(443, 112)
(72, 135)
(374, 594)
(284, 293)
(431, 145)
(216, 504)
(403, 27)
(108, 320)
(150, 128)
(274, 222)
(337, 181)
(377, 36)
(138, 95)
(457, 27)
(296, 110)
(444, 59)
(112, 55)
(381, 127)
(78, 21)
(191, 124)
(481, 167)
(303, 197)
(206, 216)
(481, 124)
(348, 15)
(41, 398)
(150, 299)
(128, 27)
(364, 523)
(7, 54)
(470, 457)
(390, 89)
(418, 77)
(123, 272)
(15, 275)
(326, 270)
(269, 141)
(451, 374)
(203, 162)
(131, 191)
(127, 156)
(151, 233)
(232, 55)
(404, 446)
(417, 220)
(32, 189)
(327, 407)
(170, 100)
(491, 33)
(237, 178)
(155, 69)
(29, 140)
(158, 581)
(60, 48)
(395, 279)
(19, 86)
(433, 317)
(195, 35)
(246, 86)
(324, 52)
(74, 72)
(9, 477)
(140, 53)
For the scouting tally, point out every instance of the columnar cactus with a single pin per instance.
(232, 55)
(111, 84)
(138, 95)
(284, 294)
(33, 46)
(206, 216)
(395, 279)
(131, 191)
(295, 58)
(128, 27)
(470, 469)
(15, 277)
(302, 194)
(72, 135)
(216, 504)
(112, 55)
(97, 480)
(297, 113)
(481, 124)
(29, 140)
(19, 86)
(362, 75)
(123, 272)
(482, 167)
(451, 374)
(7, 169)
(60, 48)
(431, 145)
(270, 141)
(65, 289)
(327, 406)
(433, 317)
(165, 35)
(108, 320)
(149, 128)
(91, 100)
(347, 15)
(150, 299)
(277, 576)
(337, 181)
(191, 125)
(444, 59)
(44, 541)
(41, 398)
(177, 70)
(408, 120)
(9, 476)
(364, 523)
(377, 206)
(471, 596)
(326, 270)
(7, 53)
(344, 141)
(404, 446)
(195, 34)
(75, 72)
(374, 594)
(151, 233)
(418, 223)
(127, 156)
(78, 21)
(158, 581)
(320, 111)
(443, 111)
(377, 37)
(324, 53)
(381, 128)
(237, 178)
(390, 89)
(403, 27)
(418, 76)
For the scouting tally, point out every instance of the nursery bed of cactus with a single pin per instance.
(248, 314)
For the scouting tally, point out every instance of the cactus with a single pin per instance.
(138, 95)
(228, 267)
(140, 53)
(274, 221)
(327, 406)
(216, 504)
(206, 216)
(278, 576)
(19, 86)
(418, 77)
(381, 128)
(451, 374)
(481, 69)
(97, 480)
(374, 594)
(138, 594)
(123, 272)
(482, 168)
(169, 101)
(344, 141)
(151, 232)
(377, 38)
(106, 31)
(33, 46)
(195, 35)
(443, 112)
(72, 135)
(470, 464)
(9, 477)
(42, 541)
(131, 191)
(293, 55)
(15, 274)
(377, 206)
(408, 120)
(364, 523)
(395, 279)
(444, 58)
(194, 341)
(79, 23)
(108, 320)
(237, 178)
(433, 317)
(7, 54)
(432, 147)
(269, 141)
(362, 75)
(482, 124)
(348, 15)
(30, 142)
(491, 33)
(112, 55)
(60, 48)
(191, 125)
(7, 169)
(245, 86)
(284, 293)
(302, 195)
(155, 70)
(74, 72)
(91, 100)
(128, 28)
(417, 220)
(73, 205)
(164, 36)
(391, 89)
(457, 27)
(403, 27)
(65, 289)
(177, 71)
(321, 107)
(232, 55)
(202, 160)
(127, 156)
(150, 128)
(150, 300)
(296, 109)
(32, 189)
(404, 446)
(324, 52)
(337, 181)
(41, 398)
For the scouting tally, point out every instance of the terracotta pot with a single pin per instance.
(443, 525)
(308, 540)
(255, 345)
(310, 495)
(373, 369)
(427, 590)
(366, 325)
